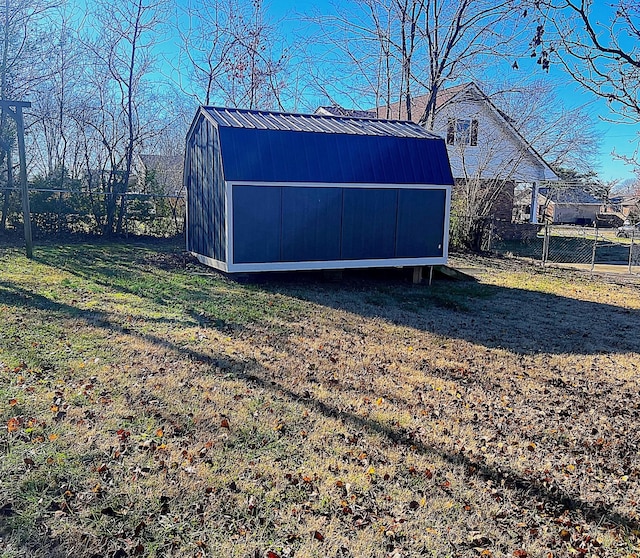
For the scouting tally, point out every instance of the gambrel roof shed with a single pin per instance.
(285, 191)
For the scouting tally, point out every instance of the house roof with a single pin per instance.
(273, 147)
(419, 104)
(293, 122)
(624, 199)
(575, 196)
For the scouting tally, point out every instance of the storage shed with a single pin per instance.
(271, 191)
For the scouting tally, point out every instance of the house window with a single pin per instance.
(462, 131)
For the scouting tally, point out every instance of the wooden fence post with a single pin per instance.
(545, 244)
(14, 109)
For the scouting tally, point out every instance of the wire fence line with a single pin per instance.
(158, 214)
(56, 211)
(574, 245)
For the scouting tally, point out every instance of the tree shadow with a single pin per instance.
(521, 321)
(518, 320)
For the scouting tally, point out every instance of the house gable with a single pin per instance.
(496, 152)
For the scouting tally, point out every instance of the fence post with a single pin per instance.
(490, 239)
(633, 234)
(595, 243)
(545, 244)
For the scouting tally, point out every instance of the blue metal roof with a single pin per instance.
(362, 126)
(285, 147)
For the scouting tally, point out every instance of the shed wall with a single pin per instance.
(205, 186)
(306, 224)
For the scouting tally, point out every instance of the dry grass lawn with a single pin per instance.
(152, 407)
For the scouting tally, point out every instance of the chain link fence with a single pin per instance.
(81, 212)
(575, 246)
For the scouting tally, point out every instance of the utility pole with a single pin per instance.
(14, 109)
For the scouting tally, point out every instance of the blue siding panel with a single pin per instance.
(257, 212)
(421, 218)
(289, 156)
(311, 224)
(204, 187)
(206, 226)
(369, 223)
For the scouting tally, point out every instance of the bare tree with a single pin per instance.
(232, 54)
(205, 50)
(23, 47)
(53, 133)
(463, 33)
(417, 46)
(565, 137)
(600, 53)
(121, 113)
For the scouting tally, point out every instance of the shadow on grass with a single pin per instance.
(518, 320)
(522, 321)
(529, 492)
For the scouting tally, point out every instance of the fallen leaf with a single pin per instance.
(224, 423)
(13, 424)
(318, 536)
(13, 402)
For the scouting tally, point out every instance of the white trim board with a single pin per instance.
(374, 186)
(211, 262)
(335, 264)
